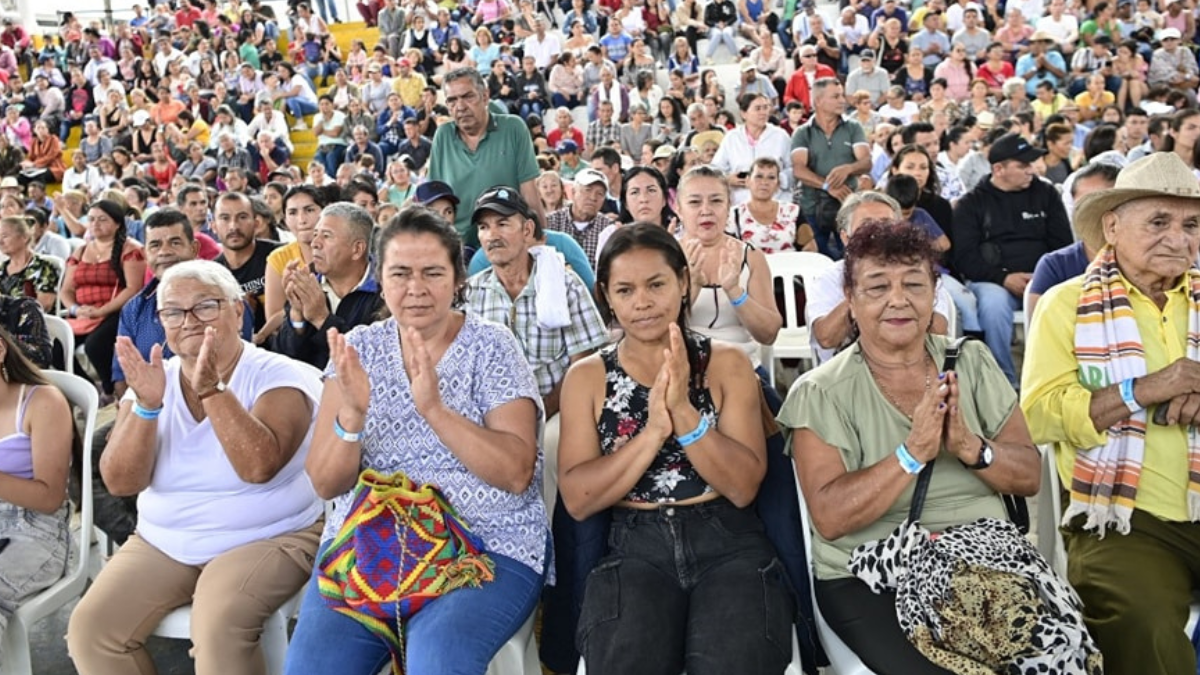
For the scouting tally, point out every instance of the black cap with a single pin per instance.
(503, 200)
(432, 190)
(1013, 146)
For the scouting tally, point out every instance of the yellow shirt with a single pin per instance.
(1056, 402)
(409, 88)
(1084, 100)
(279, 258)
(1044, 110)
(205, 131)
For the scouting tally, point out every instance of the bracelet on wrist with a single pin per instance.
(741, 299)
(345, 435)
(907, 462)
(1126, 389)
(74, 311)
(148, 414)
(297, 324)
(694, 435)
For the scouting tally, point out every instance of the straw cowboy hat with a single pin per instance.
(1158, 175)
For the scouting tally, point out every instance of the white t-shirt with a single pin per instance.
(196, 506)
(827, 292)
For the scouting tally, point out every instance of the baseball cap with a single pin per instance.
(432, 190)
(746, 64)
(566, 146)
(1168, 33)
(1013, 146)
(139, 118)
(589, 176)
(664, 152)
(867, 54)
(503, 200)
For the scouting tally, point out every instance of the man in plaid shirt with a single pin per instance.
(532, 292)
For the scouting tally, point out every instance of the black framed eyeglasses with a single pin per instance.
(205, 311)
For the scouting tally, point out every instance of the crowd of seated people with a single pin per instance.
(219, 199)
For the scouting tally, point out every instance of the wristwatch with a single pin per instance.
(986, 457)
(218, 388)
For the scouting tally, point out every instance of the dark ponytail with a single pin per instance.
(117, 212)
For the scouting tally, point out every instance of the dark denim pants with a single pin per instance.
(695, 587)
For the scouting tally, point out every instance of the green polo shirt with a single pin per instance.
(504, 156)
(825, 153)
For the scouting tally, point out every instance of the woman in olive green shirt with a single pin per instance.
(866, 422)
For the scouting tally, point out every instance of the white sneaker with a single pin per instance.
(299, 126)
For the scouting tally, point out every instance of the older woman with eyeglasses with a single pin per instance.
(213, 441)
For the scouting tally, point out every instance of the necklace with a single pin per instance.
(888, 394)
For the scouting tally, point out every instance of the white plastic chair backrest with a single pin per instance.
(60, 331)
(952, 320)
(788, 265)
(80, 394)
(1050, 541)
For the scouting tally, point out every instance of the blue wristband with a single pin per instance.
(694, 435)
(343, 434)
(741, 299)
(1126, 387)
(907, 462)
(145, 413)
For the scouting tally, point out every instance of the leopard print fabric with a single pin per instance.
(979, 599)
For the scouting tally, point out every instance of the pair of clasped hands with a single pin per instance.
(938, 420)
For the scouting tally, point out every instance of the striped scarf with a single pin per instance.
(401, 546)
(1108, 347)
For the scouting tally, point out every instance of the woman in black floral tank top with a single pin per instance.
(664, 429)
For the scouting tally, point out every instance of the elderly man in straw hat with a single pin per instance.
(1112, 378)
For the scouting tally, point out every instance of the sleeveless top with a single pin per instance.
(714, 316)
(671, 476)
(16, 449)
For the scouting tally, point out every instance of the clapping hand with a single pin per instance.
(207, 373)
(304, 293)
(928, 421)
(146, 378)
(960, 440)
(351, 378)
(675, 362)
(658, 421)
(730, 269)
(422, 374)
(696, 257)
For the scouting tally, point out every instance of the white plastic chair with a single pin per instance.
(1050, 541)
(81, 394)
(793, 339)
(842, 660)
(60, 331)
(178, 625)
(518, 656)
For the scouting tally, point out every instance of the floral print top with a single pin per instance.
(770, 237)
(671, 476)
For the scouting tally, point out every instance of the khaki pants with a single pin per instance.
(231, 597)
(1136, 589)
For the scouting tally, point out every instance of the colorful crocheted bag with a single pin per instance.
(401, 546)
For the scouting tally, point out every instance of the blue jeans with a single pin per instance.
(964, 301)
(996, 307)
(298, 107)
(695, 587)
(326, 8)
(331, 156)
(456, 634)
(560, 101)
(716, 36)
(531, 107)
